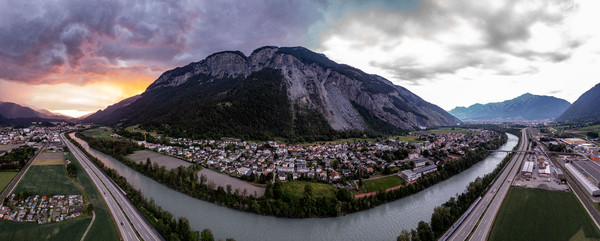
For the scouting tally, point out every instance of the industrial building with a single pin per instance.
(583, 180)
(411, 175)
(558, 173)
(527, 169)
(591, 171)
(544, 170)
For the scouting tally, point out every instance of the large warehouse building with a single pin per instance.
(590, 170)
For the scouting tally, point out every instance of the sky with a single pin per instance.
(75, 57)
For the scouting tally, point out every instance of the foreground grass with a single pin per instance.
(535, 214)
(66, 230)
(104, 227)
(5, 178)
(47, 180)
(296, 189)
(383, 183)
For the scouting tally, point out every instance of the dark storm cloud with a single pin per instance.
(44, 38)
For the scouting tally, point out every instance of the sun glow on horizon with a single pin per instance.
(72, 113)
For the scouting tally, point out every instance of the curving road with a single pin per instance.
(485, 211)
(129, 220)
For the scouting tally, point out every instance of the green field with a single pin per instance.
(45, 180)
(383, 183)
(5, 178)
(66, 230)
(536, 214)
(409, 138)
(587, 128)
(296, 189)
(100, 133)
(104, 227)
(136, 128)
(450, 130)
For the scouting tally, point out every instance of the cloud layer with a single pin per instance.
(108, 50)
(436, 37)
(62, 40)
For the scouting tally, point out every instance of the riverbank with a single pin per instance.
(383, 222)
(275, 202)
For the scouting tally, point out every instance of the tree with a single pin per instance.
(344, 195)
(425, 232)
(207, 235)
(71, 170)
(404, 236)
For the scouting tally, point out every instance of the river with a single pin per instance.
(383, 222)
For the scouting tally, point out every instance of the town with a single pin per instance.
(332, 162)
(44, 209)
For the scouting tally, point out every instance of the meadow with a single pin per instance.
(536, 214)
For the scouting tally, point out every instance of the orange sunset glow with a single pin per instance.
(77, 99)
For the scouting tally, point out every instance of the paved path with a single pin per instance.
(89, 226)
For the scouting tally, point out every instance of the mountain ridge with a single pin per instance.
(10, 110)
(585, 109)
(321, 96)
(523, 107)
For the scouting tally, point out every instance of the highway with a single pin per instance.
(122, 210)
(19, 175)
(490, 203)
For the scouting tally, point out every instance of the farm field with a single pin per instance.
(67, 230)
(162, 160)
(222, 180)
(50, 158)
(5, 178)
(536, 214)
(103, 133)
(9, 147)
(136, 128)
(450, 130)
(45, 180)
(374, 185)
(296, 189)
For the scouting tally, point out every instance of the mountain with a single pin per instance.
(51, 115)
(585, 109)
(11, 110)
(524, 107)
(102, 116)
(3, 120)
(287, 91)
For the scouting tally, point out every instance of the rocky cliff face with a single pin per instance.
(347, 98)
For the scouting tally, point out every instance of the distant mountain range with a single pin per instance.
(585, 109)
(14, 113)
(524, 107)
(273, 92)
